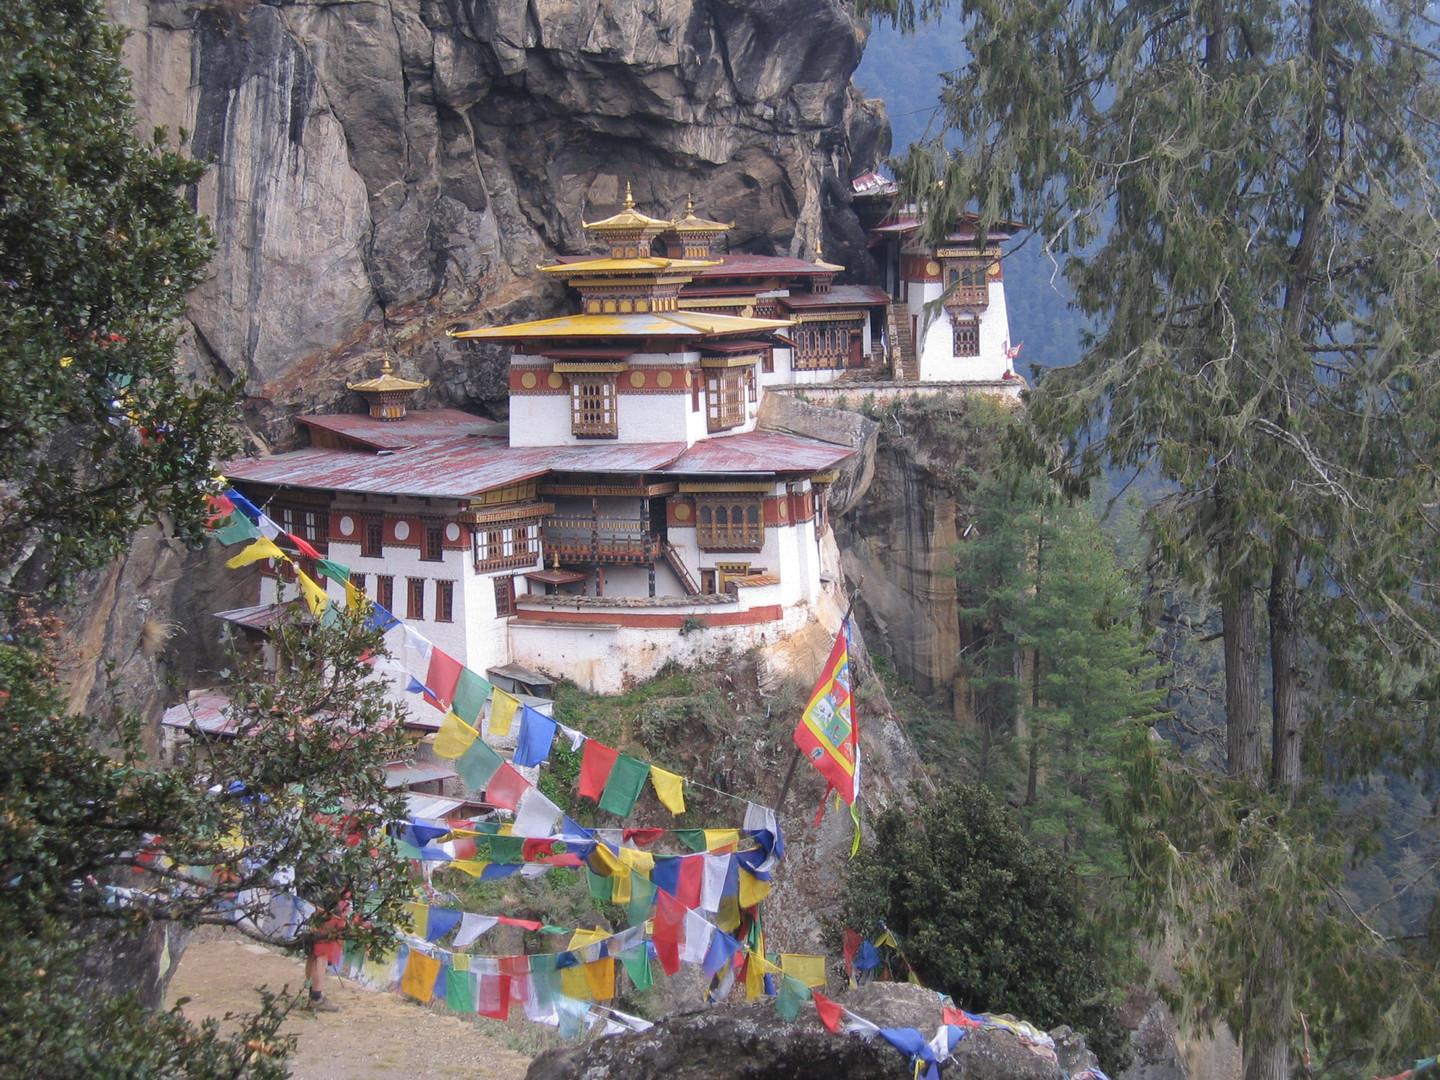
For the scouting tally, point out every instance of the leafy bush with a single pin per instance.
(985, 915)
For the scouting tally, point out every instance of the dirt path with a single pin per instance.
(374, 1036)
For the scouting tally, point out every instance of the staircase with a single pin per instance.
(903, 364)
(672, 557)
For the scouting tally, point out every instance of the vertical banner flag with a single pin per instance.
(827, 734)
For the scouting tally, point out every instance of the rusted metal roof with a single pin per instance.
(764, 452)
(415, 428)
(741, 346)
(838, 296)
(399, 774)
(258, 616)
(206, 709)
(452, 468)
(761, 266)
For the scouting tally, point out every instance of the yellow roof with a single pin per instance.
(628, 218)
(646, 265)
(386, 382)
(691, 223)
(652, 324)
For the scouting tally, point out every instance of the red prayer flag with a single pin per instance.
(505, 788)
(669, 931)
(830, 1011)
(958, 1018)
(494, 997)
(533, 848)
(826, 733)
(220, 509)
(692, 878)
(643, 837)
(850, 947)
(595, 768)
(303, 545)
(442, 677)
(524, 924)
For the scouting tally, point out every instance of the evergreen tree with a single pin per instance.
(1254, 189)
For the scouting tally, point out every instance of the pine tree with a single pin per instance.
(1253, 189)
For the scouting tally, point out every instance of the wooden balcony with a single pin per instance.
(603, 540)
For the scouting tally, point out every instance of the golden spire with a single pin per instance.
(629, 199)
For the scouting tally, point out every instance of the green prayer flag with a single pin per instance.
(236, 529)
(637, 964)
(471, 693)
(792, 993)
(478, 764)
(506, 849)
(599, 886)
(459, 990)
(548, 929)
(694, 839)
(627, 780)
(642, 899)
(540, 963)
(337, 572)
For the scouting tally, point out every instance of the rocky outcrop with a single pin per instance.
(749, 1042)
(386, 169)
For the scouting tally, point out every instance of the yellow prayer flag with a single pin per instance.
(887, 938)
(380, 971)
(720, 838)
(418, 982)
(355, 598)
(620, 888)
(915, 979)
(752, 889)
(454, 737)
(601, 977)
(315, 597)
(473, 867)
(754, 975)
(810, 970)
(264, 548)
(574, 983)
(669, 789)
(642, 862)
(461, 961)
(583, 937)
(419, 917)
(502, 711)
(609, 864)
(728, 917)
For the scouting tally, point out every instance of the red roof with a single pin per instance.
(206, 709)
(417, 427)
(759, 266)
(838, 296)
(763, 452)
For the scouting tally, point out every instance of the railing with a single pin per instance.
(604, 539)
(969, 296)
(681, 570)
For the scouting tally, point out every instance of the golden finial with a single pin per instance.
(819, 254)
(689, 206)
(385, 368)
(629, 199)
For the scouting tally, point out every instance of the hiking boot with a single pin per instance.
(320, 1005)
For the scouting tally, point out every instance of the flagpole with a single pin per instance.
(795, 757)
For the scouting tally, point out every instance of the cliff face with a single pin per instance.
(410, 161)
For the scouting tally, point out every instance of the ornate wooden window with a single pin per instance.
(415, 598)
(821, 346)
(306, 522)
(968, 282)
(730, 523)
(592, 407)
(372, 538)
(385, 591)
(504, 547)
(967, 337)
(504, 597)
(444, 601)
(434, 545)
(724, 398)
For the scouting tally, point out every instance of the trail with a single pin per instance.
(374, 1036)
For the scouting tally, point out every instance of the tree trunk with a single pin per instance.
(1270, 1004)
(1286, 719)
(1242, 681)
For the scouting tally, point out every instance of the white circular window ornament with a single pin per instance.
(402, 530)
(452, 532)
(347, 525)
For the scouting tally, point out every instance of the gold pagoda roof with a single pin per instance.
(647, 264)
(386, 382)
(692, 224)
(628, 219)
(675, 324)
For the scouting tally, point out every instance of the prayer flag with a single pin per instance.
(471, 927)
(627, 780)
(235, 529)
(637, 965)
(792, 993)
(304, 546)
(380, 619)
(536, 815)
(810, 970)
(716, 868)
(694, 839)
(642, 898)
(471, 693)
(502, 709)
(829, 1012)
(419, 642)
(826, 733)
(668, 933)
(335, 571)
(478, 763)
(460, 990)
(494, 997)
(721, 951)
(698, 933)
(315, 598)
(601, 976)
(692, 880)
(595, 766)
(421, 972)
(268, 526)
(441, 922)
(574, 982)
(752, 889)
(642, 837)
(442, 678)
(669, 789)
(454, 737)
(537, 733)
(505, 788)
(718, 839)
(263, 548)
(244, 505)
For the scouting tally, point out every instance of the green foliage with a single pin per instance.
(985, 915)
(99, 433)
